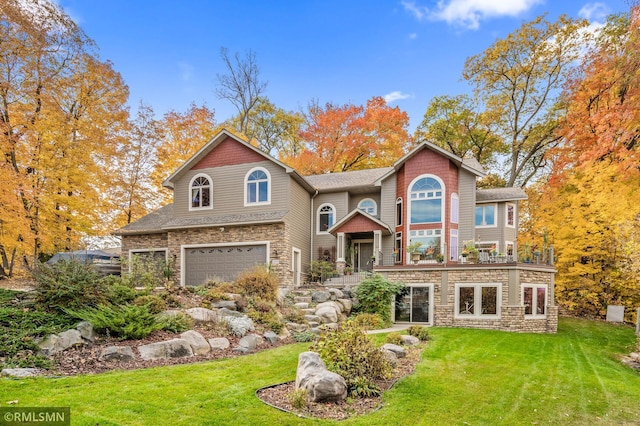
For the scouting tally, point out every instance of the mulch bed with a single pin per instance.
(278, 395)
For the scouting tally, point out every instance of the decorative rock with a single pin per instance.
(284, 333)
(315, 330)
(313, 324)
(336, 294)
(19, 372)
(634, 356)
(327, 314)
(302, 305)
(219, 343)
(49, 345)
(250, 341)
(308, 311)
(409, 340)
(320, 296)
(334, 304)
(170, 313)
(292, 326)
(302, 299)
(198, 344)
(70, 338)
(227, 304)
(331, 326)
(321, 384)
(347, 305)
(202, 314)
(117, 353)
(391, 357)
(86, 331)
(271, 337)
(224, 312)
(312, 318)
(397, 350)
(174, 348)
(240, 349)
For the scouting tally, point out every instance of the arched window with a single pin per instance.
(201, 192)
(426, 201)
(455, 208)
(368, 206)
(326, 218)
(257, 187)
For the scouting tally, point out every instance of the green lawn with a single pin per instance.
(470, 377)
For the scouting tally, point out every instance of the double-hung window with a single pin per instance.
(201, 192)
(257, 187)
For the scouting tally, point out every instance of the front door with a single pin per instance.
(363, 255)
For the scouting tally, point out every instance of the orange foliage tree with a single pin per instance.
(350, 137)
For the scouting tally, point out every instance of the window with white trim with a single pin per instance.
(201, 192)
(257, 187)
(477, 300)
(453, 241)
(368, 206)
(455, 208)
(534, 299)
(486, 215)
(399, 212)
(426, 201)
(326, 218)
(510, 215)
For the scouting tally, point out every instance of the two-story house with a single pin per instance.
(235, 206)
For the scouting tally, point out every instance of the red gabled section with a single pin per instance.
(228, 153)
(360, 223)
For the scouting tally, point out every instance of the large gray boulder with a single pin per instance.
(202, 314)
(227, 304)
(336, 294)
(174, 348)
(219, 343)
(397, 350)
(410, 340)
(321, 384)
(327, 314)
(320, 296)
(271, 337)
(19, 372)
(198, 344)
(117, 353)
(55, 343)
(331, 303)
(224, 312)
(250, 342)
(86, 331)
(347, 305)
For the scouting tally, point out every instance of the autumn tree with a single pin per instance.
(61, 115)
(184, 133)
(453, 123)
(272, 129)
(518, 80)
(350, 137)
(241, 85)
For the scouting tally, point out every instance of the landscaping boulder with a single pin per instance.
(117, 353)
(336, 294)
(409, 340)
(302, 305)
(202, 314)
(55, 343)
(347, 305)
(312, 318)
(19, 372)
(271, 337)
(397, 350)
(295, 327)
(227, 304)
(391, 357)
(174, 348)
(332, 303)
(219, 343)
(332, 326)
(320, 296)
(250, 342)
(198, 344)
(224, 312)
(327, 314)
(321, 384)
(86, 331)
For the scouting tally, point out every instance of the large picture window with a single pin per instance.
(477, 301)
(257, 187)
(486, 215)
(426, 201)
(201, 192)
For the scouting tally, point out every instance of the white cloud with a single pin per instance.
(395, 96)
(469, 13)
(594, 11)
(413, 36)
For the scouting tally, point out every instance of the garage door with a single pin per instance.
(221, 263)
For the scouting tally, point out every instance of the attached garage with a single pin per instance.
(222, 263)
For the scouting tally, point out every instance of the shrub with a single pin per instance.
(258, 282)
(394, 338)
(119, 291)
(304, 336)
(298, 398)
(176, 323)
(124, 322)
(349, 352)
(155, 303)
(419, 331)
(292, 314)
(363, 387)
(375, 296)
(68, 284)
(147, 271)
(320, 270)
(368, 321)
(215, 295)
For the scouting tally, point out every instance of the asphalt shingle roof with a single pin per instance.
(355, 178)
(500, 194)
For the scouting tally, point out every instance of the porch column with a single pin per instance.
(340, 250)
(377, 246)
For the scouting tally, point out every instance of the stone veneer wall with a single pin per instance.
(512, 316)
(147, 241)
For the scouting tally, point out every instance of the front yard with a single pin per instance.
(465, 377)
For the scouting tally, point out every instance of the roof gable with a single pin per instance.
(359, 221)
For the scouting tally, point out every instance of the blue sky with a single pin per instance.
(337, 51)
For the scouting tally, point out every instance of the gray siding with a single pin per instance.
(467, 196)
(340, 201)
(354, 200)
(299, 221)
(228, 190)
